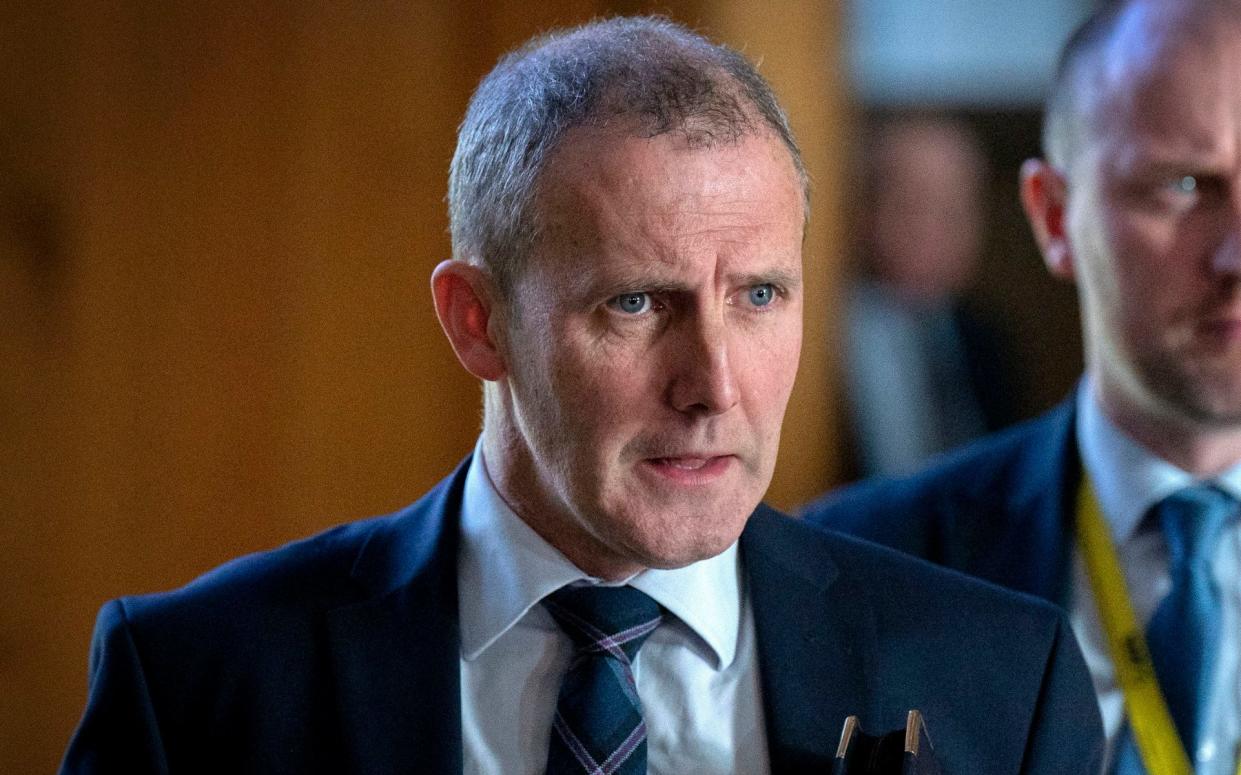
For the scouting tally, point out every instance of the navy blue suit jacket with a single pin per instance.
(341, 654)
(1002, 509)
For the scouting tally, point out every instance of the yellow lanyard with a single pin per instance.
(1153, 729)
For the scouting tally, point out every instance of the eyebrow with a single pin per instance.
(1166, 162)
(646, 284)
(779, 277)
(1151, 172)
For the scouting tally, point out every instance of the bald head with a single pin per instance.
(1121, 46)
(1139, 205)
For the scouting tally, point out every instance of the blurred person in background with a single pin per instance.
(925, 369)
(1122, 503)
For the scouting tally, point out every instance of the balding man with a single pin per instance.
(597, 589)
(1122, 502)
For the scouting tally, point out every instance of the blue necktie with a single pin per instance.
(598, 726)
(1184, 632)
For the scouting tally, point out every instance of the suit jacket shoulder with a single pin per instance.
(846, 627)
(259, 665)
(1000, 508)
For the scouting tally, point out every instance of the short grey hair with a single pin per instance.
(646, 70)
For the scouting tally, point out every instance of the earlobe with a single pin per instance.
(464, 302)
(1043, 196)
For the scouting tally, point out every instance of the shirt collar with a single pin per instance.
(1128, 478)
(505, 569)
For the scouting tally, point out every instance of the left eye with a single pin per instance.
(632, 303)
(1187, 184)
(762, 295)
(1206, 187)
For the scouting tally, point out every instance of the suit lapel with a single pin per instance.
(395, 654)
(815, 646)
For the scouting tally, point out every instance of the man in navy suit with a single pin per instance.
(627, 209)
(1138, 202)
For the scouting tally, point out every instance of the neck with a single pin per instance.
(1200, 449)
(510, 465)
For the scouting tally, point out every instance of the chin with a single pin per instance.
(690, 541)
(1209, 399)
(1213, 412)
(671, 560)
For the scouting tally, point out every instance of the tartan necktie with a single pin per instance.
(598, 727)
(1184, 632)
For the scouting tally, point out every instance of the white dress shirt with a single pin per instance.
(900, 419)
(1128, 480)
(697, 674)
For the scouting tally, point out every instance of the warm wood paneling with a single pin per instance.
(217, 224)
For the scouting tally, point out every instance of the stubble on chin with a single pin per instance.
(1205, 391)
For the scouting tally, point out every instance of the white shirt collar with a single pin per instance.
(1127, 477)
(505, 569)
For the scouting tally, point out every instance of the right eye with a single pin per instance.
(1186, 184)
(634, 303)
(1197, 188)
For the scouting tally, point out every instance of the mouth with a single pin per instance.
(1221, 330)
(690, 469)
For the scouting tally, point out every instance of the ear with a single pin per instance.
(464, 301)
(1043, 195)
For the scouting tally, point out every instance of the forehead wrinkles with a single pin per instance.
(593, 199)
(670, 222)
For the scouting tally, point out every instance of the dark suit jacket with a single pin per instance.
(340, 654)
(992, 380)
(1002, 509)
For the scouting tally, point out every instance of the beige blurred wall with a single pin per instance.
(216, 231)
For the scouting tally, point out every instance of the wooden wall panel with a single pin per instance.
(217, 225)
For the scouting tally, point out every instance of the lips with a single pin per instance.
(1221, 329)
(690, 469)
(1221, 324)
(685, 463)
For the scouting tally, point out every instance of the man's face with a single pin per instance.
(1153, 224)
(926, 210)
(652, 343)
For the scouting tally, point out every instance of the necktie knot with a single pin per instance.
(1192, 520)
(609, 620)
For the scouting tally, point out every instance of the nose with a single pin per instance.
(703, 379)
(1226, 260)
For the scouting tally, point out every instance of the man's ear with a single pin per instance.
(464, 302)
(1043, 195)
